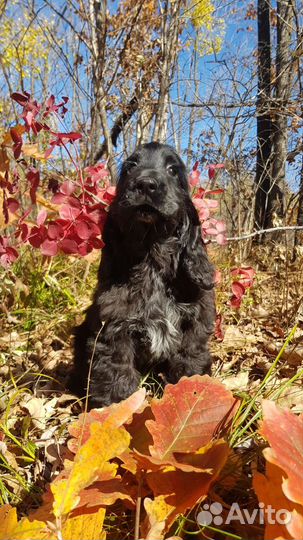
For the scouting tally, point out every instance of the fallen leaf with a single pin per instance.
(284, 432)
(91, 462)
(11, 529)
(40, 409)
(118, 413)
(188, 415)
(157, 512)
(268, 488)
(183, 490)
(85, 527)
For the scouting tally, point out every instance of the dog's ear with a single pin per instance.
(194, 259)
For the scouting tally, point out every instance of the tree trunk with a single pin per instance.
(170, 14)
(263, 173)
(282, 95)
(98, 21)
(299, 234)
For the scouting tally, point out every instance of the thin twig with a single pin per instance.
(138, 510)
(263, 231)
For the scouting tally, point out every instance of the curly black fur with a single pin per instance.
(154, 305)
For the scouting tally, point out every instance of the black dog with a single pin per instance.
(153, 309)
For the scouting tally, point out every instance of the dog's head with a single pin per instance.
(153, 203)
(153, 185)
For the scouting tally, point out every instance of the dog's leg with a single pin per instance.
(192, 358)
(111, 375)
(185, 365)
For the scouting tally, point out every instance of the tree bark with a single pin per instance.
(263, 173)
(282, 95)
(170, 14)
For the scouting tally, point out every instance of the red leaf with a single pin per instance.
(83, 230)
(220, 226)
(59, 198)
(66, 137)
(194, 178)
(188, 415)
(119, 414)
(218, 327)
(68, 246)
(33, 176)
(247, 271)
(55, 231)
(221, 239)
(49, 248)
(235, 302)
(37, 236)
(12, 205)
(41, 217)
(71, 210)
(238, 289)
(29, 118)
(211, 172)
(218, 166)
(15, 135)
(22, 99)
(68, 187)
(98, 243)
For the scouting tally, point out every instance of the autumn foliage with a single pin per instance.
(65, 212)
(157, 460)
(166, 453)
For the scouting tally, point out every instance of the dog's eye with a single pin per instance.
(172, 169)
(130, 165)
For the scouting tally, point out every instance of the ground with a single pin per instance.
(42, 299)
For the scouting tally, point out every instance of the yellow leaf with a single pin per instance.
(85, 527)
(157, 512)
(32, 150)
(8, 520)
(10, 529)
(91, 461)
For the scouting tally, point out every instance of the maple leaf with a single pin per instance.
(284, 432)
(11, 529)
(118, 413)
(183, 489)
(268, 488)
(103, 444)
(85, 527)
(281, 486)
(157, 512)
(188, 415)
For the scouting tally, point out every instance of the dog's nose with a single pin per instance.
(146, 185)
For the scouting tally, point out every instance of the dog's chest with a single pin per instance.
(155, 315)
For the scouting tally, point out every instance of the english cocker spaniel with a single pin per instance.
(153, 309)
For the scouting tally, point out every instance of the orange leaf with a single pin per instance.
(18, 128)
(4, 162)
(104, 494)
(183, 490)
(269, 492)
(284, 432)
(91, 461)
(189, 415)
(119, 413)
